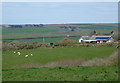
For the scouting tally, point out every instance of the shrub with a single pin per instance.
(66, 42)
(22, 45)
(6, 46)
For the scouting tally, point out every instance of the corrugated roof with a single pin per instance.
(100, 37)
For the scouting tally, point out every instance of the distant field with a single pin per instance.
(47, 40)
(33, 34)
(88, 26)
(105, 73)
(55, 30)
(31, 30)
(44, 56)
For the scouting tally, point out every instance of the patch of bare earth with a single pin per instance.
(63, 63)
(111, 60)
(27, 66)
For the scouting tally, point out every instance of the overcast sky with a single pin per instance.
(59, 12)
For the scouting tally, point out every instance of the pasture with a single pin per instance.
(59, 63)
(43, 65)
(49, 34)
(46, 40)
(44, 56)
(55, 30)
(103, 73)
(31, 30)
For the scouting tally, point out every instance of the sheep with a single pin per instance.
(26, 56)
(14, 52)
(31, 54)
(18, 53)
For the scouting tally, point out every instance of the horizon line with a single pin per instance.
(58, 23)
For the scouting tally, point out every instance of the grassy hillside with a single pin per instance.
(31, 30)
(47, 40)
(59, 63)
(56, 30)
(88, 26)
(30, 35)
(44, 56)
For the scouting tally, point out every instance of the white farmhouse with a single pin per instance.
(96, 39)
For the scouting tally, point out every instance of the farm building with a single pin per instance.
(87, 39)
(96, 39)
(101, 39)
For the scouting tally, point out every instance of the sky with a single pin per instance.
(59, 12)
(60, 0)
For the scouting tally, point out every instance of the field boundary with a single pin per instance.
(42, 37)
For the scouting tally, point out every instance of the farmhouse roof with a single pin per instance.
(100, 37)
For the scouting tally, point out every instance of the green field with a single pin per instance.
(47, 40)
(55, 30)
(19, 68)
(88, 26)
(108, 73)
(45, 34)
(59, 63)
(31, 30)
(44, 56)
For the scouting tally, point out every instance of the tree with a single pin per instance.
(66, 42)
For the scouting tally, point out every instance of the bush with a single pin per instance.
(66, 42)
(22, 45)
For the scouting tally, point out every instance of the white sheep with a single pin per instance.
(18, 53)
(26, 56)
(31, 54)
(14, 52)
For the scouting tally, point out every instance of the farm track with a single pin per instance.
(42, 37)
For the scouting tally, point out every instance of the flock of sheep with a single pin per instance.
(20, 54)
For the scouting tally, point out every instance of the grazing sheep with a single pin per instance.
(26, 56)
(14, 52)
(31, 54)
(18, 53)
